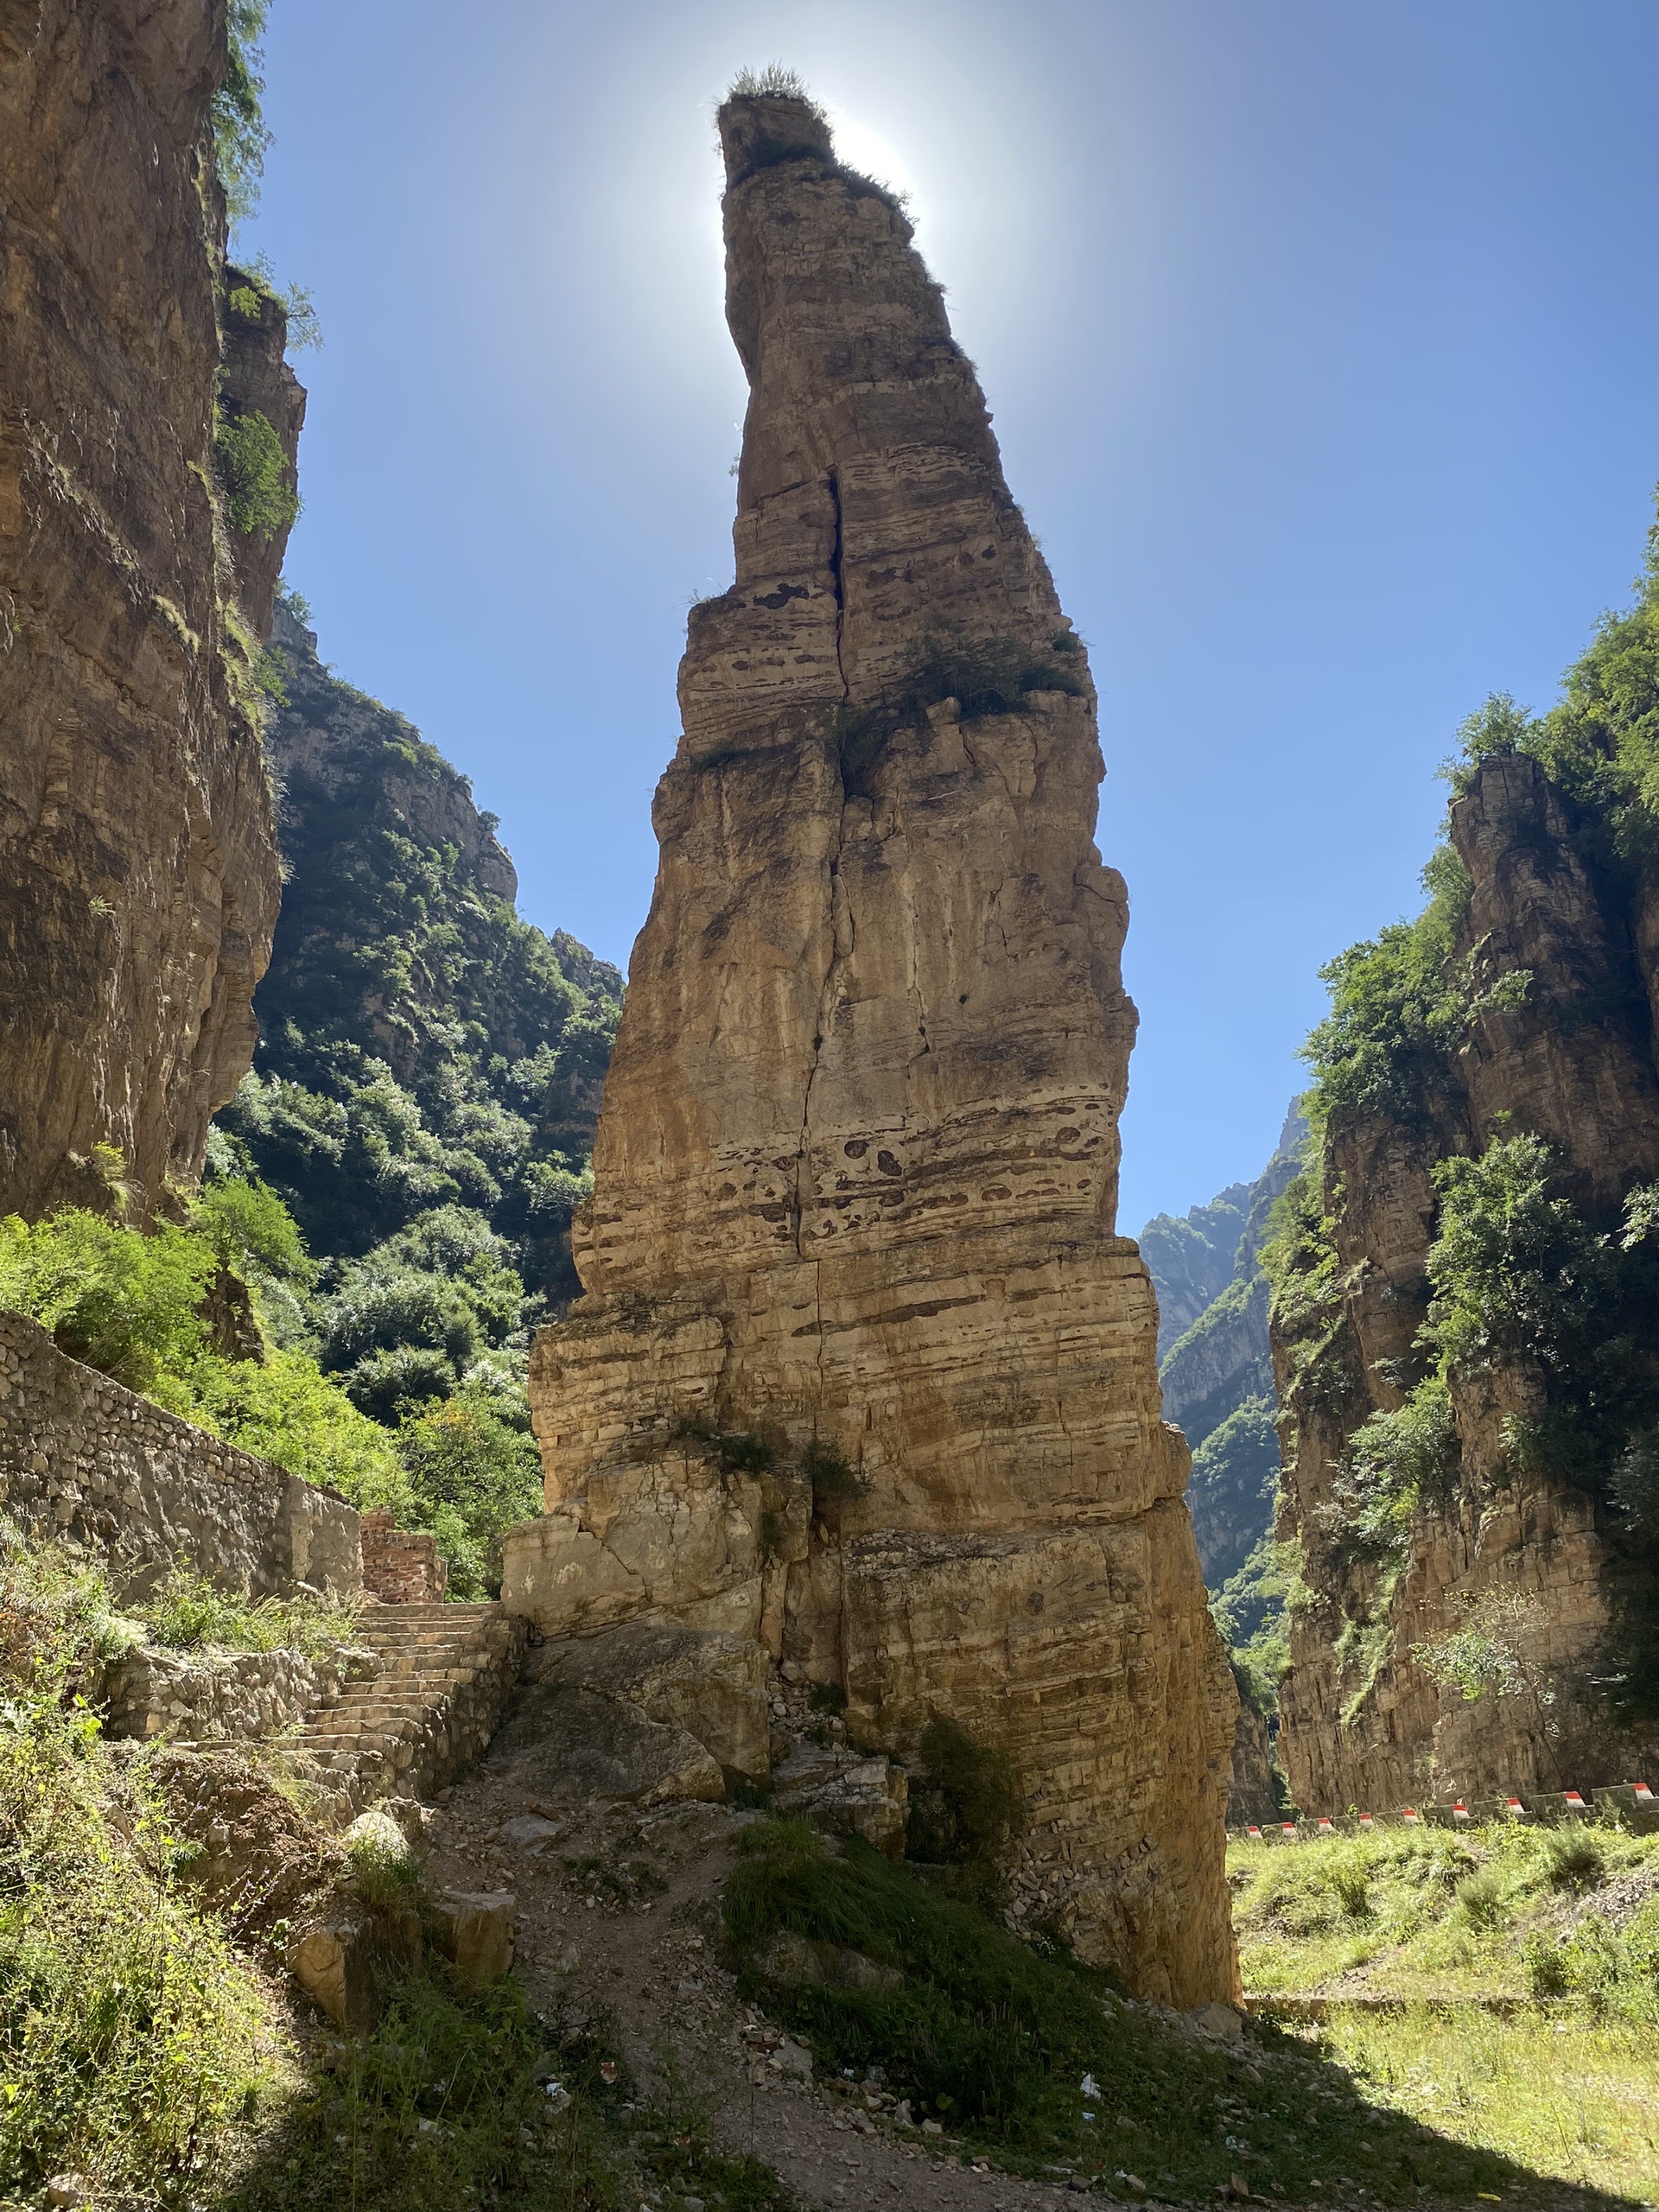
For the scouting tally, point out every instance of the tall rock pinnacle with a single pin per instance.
(864, 1369)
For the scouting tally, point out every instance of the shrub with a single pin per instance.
(1487, 1652)
(284, 1408)
(188, 1611)
(1573, 1859)
(1395, 1462)
(1480, 1899)
(131, 2038)
(125, 1303)
(1397, 1008)
(774, 82)
(1515, 1269)
(1299, 1257)
(836, 1482)
(1348, 1879)
(473, 1460)
(1546, 1970)
(254, 473)
(965, 1804)
(249, 1231)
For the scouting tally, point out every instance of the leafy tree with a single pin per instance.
(1515, 1268)
(123, 1302)
(240, 139)
(473, 1464)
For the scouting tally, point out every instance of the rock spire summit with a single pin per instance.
(863, 1370)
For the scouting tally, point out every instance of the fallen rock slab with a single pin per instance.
(565, 1746)
(709, 1683)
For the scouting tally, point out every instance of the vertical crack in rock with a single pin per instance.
(856, 1177)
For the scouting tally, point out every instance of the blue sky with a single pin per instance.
(1319, 336)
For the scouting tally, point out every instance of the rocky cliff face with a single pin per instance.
(1216, 1370)
(864, 1369)
(1465, 1303)
(138, 878)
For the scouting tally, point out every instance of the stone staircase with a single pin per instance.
(443, 1675)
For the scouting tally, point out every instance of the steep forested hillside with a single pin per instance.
(1218, 1385)
(426, 1085)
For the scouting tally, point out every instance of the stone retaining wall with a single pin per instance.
(99, 1468)
(211, 1697)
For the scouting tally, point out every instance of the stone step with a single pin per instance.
(442, 1677)
(379, 1616)
(363, 1711)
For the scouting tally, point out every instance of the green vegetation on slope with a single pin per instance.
(1399, 1003)
(1028, 2055)
(427, 1080)
(1517, 1273)
(422, 1102)
(144, 2046)
(135, 1306)
(131, 2035)
(144, 1309)
(1218, 1385)
(1561, 1924)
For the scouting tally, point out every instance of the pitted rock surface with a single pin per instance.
(856, 1177)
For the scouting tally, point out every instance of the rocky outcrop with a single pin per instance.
(1510, 1562)
(1191, 1256)
(138, 872)
(1254, 1795)
(863, 1370)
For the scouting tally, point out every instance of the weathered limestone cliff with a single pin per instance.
(862, 1369)
(138, 872)
(1477, 1594)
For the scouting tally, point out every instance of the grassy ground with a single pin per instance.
(1560, 1925)
(1034, 2059)
(1426, 1913)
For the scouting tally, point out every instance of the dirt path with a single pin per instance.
(640, 1951)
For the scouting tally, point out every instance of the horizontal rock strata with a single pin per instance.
(139, 869)
(862, 1370)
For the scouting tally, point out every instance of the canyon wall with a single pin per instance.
(862, 1369)
(138, 872)
(1465, 1305)
(1215, 1368)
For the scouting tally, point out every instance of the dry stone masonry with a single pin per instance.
(224, 1697)
(440, 1678)
(856, 1179)
(87, 1463)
